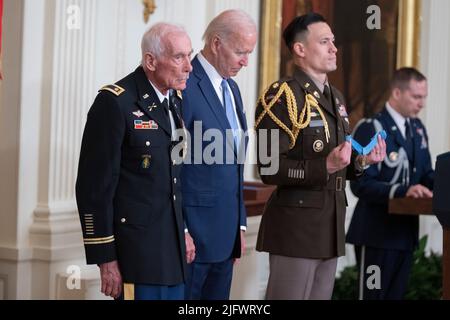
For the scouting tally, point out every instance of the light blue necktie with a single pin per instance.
(228, 105)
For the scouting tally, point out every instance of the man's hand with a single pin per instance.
(339, 157)
(419, 191)
(190, 247)
(111, 279)
(378, 153)
(242, 246)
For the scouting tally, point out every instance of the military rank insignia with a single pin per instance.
(145, 125)
(113, 88)
(145, 164)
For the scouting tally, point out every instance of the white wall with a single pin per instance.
(52, 74)
(435, 64)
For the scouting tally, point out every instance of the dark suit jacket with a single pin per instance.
(128, 189)
(371, 224)
(305, 215)
(213, 202)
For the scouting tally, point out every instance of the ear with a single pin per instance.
(150, 61)
(299, 49)
(215, 44)
(396, 93)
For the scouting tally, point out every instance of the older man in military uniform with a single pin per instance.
(127, 188)
(303, 223)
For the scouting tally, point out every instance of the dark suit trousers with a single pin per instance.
(209, 281)
(395, 267)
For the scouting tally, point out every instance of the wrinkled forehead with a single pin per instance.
(177, 42)
(244, 38)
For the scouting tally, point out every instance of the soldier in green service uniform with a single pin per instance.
(303, 223)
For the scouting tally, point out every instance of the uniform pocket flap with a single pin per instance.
(131, 212)
(145, 140)
(199, 199)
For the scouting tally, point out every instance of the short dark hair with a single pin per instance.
(299, 26)
(402, 77)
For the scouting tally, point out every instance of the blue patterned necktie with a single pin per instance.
(228, 105)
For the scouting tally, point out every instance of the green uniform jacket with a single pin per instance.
(305, 215)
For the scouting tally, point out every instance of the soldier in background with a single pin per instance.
(380, 239)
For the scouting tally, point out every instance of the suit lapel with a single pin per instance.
(149, 102)
(309, 86)
(210, 94)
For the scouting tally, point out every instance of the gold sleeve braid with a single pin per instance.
(298, 123)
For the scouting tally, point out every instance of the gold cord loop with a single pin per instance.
(298, 122)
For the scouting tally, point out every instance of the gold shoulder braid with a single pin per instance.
(298, 123)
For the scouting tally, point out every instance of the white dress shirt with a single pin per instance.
(398, 119)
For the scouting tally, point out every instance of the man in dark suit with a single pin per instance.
(213, 204)
(303, 223)
(128, 188)
(381, 239)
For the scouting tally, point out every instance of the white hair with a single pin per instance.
(227, 23)
(153, 39)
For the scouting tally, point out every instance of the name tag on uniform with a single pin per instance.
(316, 123)
(145, 125)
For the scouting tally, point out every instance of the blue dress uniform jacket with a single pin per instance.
(305, 215)
(213, 201)
(128, 188)
(371, 223)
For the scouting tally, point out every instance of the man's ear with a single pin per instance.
(396, 93)
(215, 44)
(150, 61)
(299, 49)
